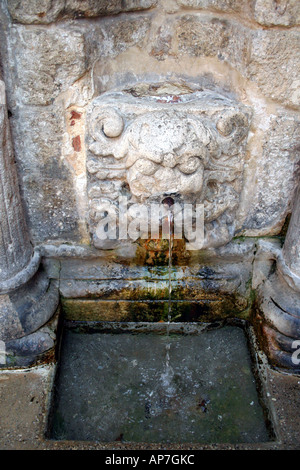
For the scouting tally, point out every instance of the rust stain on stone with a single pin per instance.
(75, 115)
(76, 142)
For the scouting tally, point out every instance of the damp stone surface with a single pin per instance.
(122, 387)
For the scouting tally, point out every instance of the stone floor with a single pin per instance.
(25, 396)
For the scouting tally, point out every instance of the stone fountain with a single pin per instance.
(109, 108)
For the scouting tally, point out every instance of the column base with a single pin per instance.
(278, 323)
(26, 332)
(34, 349)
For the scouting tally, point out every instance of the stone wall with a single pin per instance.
(82, 79)
(59, 55)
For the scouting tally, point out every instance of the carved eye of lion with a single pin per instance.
(146, 167)
(189, 165)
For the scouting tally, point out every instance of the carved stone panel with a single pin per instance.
(190, 146)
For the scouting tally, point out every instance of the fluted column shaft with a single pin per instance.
(28, 299)
(15, 248)
(291, 249)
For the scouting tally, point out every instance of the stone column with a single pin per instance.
(16, 252)
(27, 298)
(280, 299)
(291, 249)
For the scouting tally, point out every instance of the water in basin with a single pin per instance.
(115, 387)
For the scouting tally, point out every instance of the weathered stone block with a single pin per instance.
(90, 8)
(47, 62)
(38, 135)
(47, 11)
(277, 12)
(274, 65)
(36, 11)
(215, 5)
(276, 177)
(269, 58)
(162, 44)
(226, 40)
(115, 35)
(51, 208)
(45, 177)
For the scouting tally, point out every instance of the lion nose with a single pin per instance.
(169, 160)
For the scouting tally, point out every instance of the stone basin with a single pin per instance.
(117, 386)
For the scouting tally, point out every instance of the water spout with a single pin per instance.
(170, 221)
(169, 201)
(168, 374)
